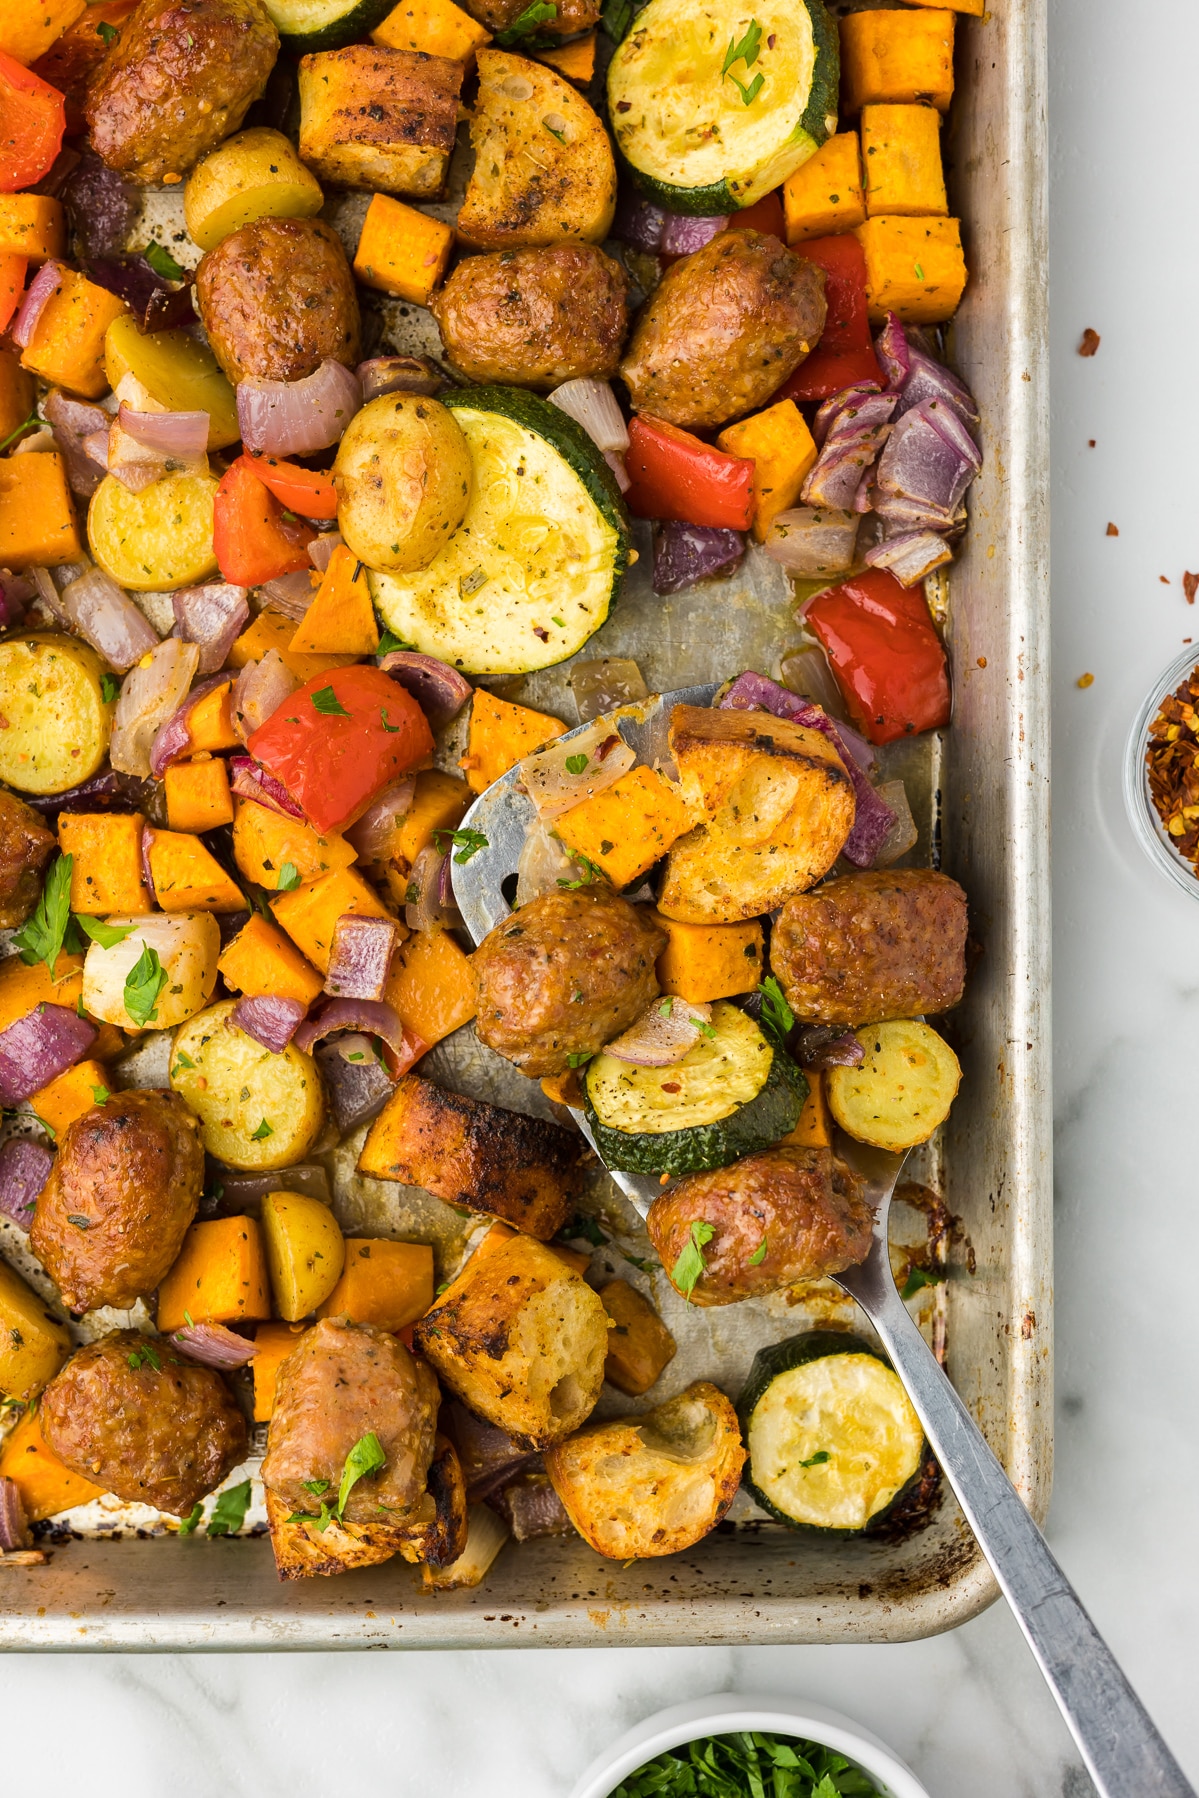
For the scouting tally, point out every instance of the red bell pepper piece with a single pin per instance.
(12, 285)
(885, 653)
(252, 540)
(845, 353)
(303, 490)
(677, 476)
(765, 214)
(340, 739)
(32, 121)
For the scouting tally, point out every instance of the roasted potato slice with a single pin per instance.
(257, 1110)
(544, 169)
(778, 806)
(187, 945)
(57, 722)
(897, 1096)
(403, 478)
(158, 538)
(305, 1252)
(654, 1484)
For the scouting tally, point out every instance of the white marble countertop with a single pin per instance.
(967, 1710)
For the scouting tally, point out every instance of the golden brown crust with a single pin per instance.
(563, 975)
(160, 1435)
(535, 317)
(122, 1192)
(26, 845)
(805, 1205)
(277, 299)
(724, 329)
(178, 80)
(873, 947)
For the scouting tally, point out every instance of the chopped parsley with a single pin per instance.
(465, 842)
(109, 685)
(182, 1061)
(919, 1277)
(162, 262)
(582, 1227)
(575, 764)
(744, 1764)
(689, 1267)
(289, 877)
(525, 25)
(101, 1095)
(192, 1519)
(328, 704)
(818, 1459)
(263, 1131)
(389, 642)
(593, 874)
(143, 984)
(578, 1057)
(759, 1254)
(364, 1458)
(391, 729)
(229, 1512)
(560, 622)
(777, 1016)
(108, 32)
(143, 1356)
(316, 1487)
(744, 50)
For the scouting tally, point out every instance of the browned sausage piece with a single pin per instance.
(873, 946)
(572, 16)
(535, 317)
(723, 330)
(25, 847)
(340, 1382)
(804, 1204)
(123, 1189)
(564, 975)
(129, 1413)
(277, 299)
(178, 79)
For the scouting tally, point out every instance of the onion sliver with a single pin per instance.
(212, 1345)
(297, 418)
(565, 773)
(106, 617)
(270, 1021)
(662, 1035)
(592, 404)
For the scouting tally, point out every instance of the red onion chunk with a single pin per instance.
(439, 690)
(212, 1345)
(812, 541)
(894, 352)
(243, 1193)
(107, 792)
(662, 1035)
(212, 616)
(639, 222)
(174, 739)
(47, 281)
(16, 591)
(827, 1046)
(616, 463)
(368, 1015)
(425, 909)
(259, 691)
(929, 379)
(399, 374)
(360, 956)
(910, 556)
(685, 554)
(904, 833)
(930, 457)
(74, 423)
(900, 516)
(156, 304)
(39, 1047)
(24, 1169)
(374, 835)
(179, 436)
(297, 418)
(682, 234)
(356, 1081)
(104, 616)
(293, 593)
(14, 1525)
(101, 207)
(841, 467)
(250, 780)
(270, 1021)
(854, 408)
(320, 554)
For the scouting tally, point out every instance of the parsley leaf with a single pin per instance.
(182, 1061)
(191, 1520)
(778, 1019)
(391, 729)
(108, 32)
(109, 688)
(365, 1457)
(749, 1764)
(139, 1357)
(465, 842)
(322, 1522)
(44, 936)
(579, 1057)
(289, 877)
(689, 1267)
(616, 16)
(107, 935)
(818, 1459)
(759, 1254)
(162, 262)
(389, 642)
(746, 51)
(582, 1227)
(101, 1095)
(593, 874)
(229, 1512)
(526, 23)
(328, 704)
(920, 1277)
(263, 1131)
(143, 984)
(316, 1487)
(575, 764)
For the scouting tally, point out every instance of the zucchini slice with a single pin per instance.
(731, 1095)
(307, 25)
(535, 566)
(713, 105)
(832, 1436)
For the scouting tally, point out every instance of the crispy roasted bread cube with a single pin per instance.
(302, 1551)
(378, 118)
(440, 1540)
(777, 804)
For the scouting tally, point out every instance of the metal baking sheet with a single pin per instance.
(119, 1579)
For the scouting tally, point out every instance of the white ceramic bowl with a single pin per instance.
(724, 1712)
(1142, 812)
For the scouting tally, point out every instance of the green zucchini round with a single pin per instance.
(738, 1093)
(677, 103)
(535, 566)
(308, 25)
(834, 1443)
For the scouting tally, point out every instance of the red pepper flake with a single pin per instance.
(1085, 680)
(671, 1086)
(982, 661)
(1112, 531)
(1190, 585)
(1090, 342)
(1172, 760)
(1164, 579)
(606, 747)
(1090, 443)
(538, 632)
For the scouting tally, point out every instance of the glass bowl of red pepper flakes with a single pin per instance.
(1161, 772)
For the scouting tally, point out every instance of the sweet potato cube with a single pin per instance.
(977, 8)
(187, 876)
(198, 796)
(825, 192)
(45, 1484)
(576, 61)
(469, 1153)
(67, 345)
(107, 873)
(309, 913)
(271, 630)
(68, 1097)
(781, 448)
(274, 1343)
(379, 118)
(37, 518)
(265, 843)
(32, 225)
(639, 1344)
(210, 722)
(902, 58)
(901, 157)
(23, 987)
(439, 803)
(502, 734)
(914, 267)
(29, 27)
(703, 962)
(815, 1127)
(433, 986)
(261, 963)
(341, 619)
(431, 28)
(219, 1278)
(628, 827)
(18, 389)
(389, 1284)
(402, 251)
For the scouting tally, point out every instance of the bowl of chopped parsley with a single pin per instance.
(730, 1746)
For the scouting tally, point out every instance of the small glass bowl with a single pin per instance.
(1147, 825)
